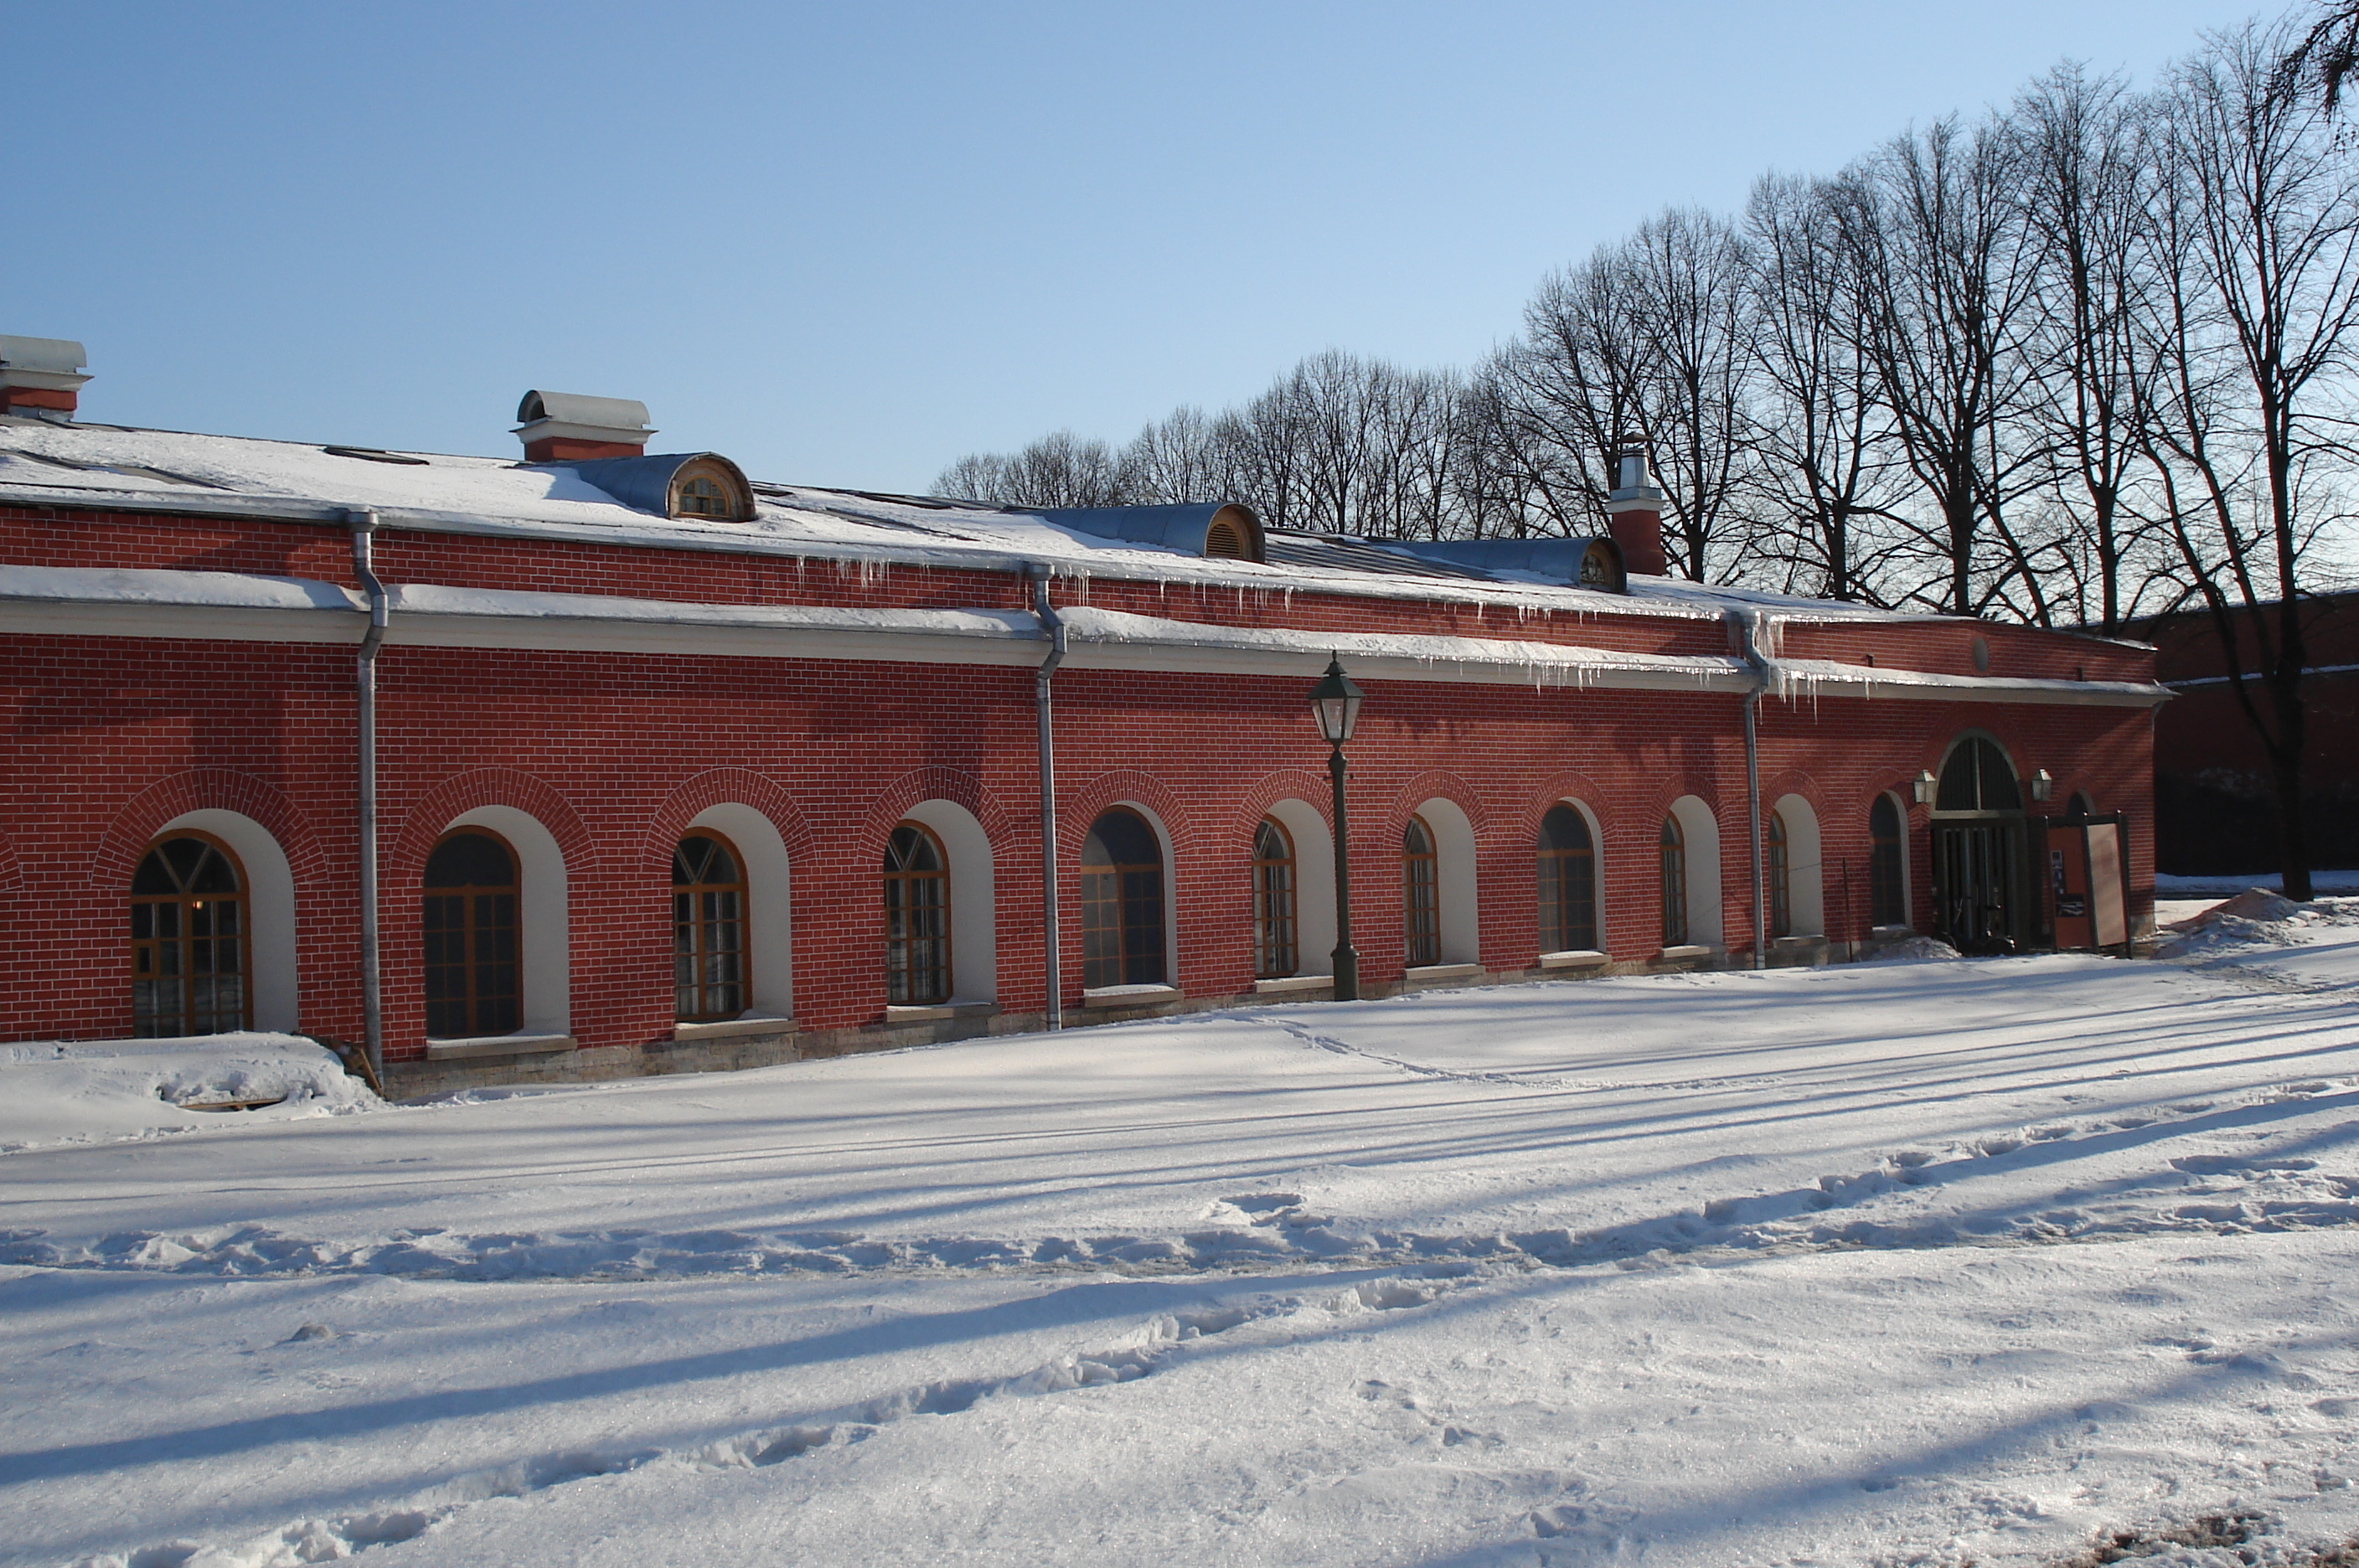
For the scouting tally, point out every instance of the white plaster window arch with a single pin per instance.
(1806, 898)
(544, 937)
(271, 963)
(974, 934)
(1699, 836)
(1314, 884)
(1460, 908)
(769, 908)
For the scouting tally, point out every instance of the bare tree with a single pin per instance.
(1059, 470)
(1935, 231)
(2260, 221)
(2090, 180)
(1826, 450)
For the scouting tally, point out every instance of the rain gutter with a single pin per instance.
(1053, 629)
(363, 523)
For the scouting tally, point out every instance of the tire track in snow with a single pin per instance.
(1153, 1347)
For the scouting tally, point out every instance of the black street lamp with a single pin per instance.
(1335, 702)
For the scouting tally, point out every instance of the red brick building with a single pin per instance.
(2215, 808)
(672, 770)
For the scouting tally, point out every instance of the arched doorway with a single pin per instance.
(1981, 888)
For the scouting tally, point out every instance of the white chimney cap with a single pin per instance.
(616, 414)
(58, 356)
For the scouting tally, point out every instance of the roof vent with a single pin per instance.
(565, 427)
(39, 377)
(1227, 531)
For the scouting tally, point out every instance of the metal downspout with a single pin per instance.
(363, 527)
(1748, 624)
(1054, 630)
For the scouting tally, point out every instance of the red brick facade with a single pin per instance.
(615, 752)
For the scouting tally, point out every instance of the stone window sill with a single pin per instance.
(939, 1011)
(497, 1045)
(1130, 996)
(1426, 974)
(730, 1028)
(1285, 982)
(1574, 958)
(1687, 951)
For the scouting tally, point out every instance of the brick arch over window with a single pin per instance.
(1314, 790)
(210, 790)
(1566, 786)
(12, 870)
(957, 786)
(464, 792)
(1079, 806)
(1437, 785)
(720, 787)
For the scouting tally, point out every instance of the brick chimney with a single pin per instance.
(564, 427)
(39, 377)
(1634, 511)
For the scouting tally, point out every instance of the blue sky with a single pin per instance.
(846, 244)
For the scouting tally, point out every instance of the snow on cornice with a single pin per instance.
(111, 467)
(244, 607)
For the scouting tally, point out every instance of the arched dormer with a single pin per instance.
(1226, 531)
(702, 486)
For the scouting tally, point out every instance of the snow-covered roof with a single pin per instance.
(82, 465)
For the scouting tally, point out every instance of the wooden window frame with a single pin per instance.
(1777, 875)
(1567, 877)
(473, 996)
(1887, 865)
(147, 949)
(1276, 896)
(1672, 849)
(1420, 895)
(695, 954)
(1119, 886)
(903, 945)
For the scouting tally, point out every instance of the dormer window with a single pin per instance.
(701, 497)
(708, 489)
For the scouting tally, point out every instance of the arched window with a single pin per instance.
(1568, 882)
(708, 930)
(1777, 875)
(1887, 898)
(474, 981)
(187, 939)
(917, 918)
(1977, 777)
(1275, 951)
(1420, 893)
(1675, 884)
(1121, 902)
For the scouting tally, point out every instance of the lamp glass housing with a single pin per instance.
(1335, 703)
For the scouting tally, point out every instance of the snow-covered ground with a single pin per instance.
(1916, 1262)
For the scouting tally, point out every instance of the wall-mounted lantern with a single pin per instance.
(2043, 784)
(1926, 784)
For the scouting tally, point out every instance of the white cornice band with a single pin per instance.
(235, 607)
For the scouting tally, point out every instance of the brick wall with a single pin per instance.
(614, 753)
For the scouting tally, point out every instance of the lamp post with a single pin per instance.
(1335, 703)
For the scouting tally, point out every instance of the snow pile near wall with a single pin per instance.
(2255, 918)
(1911, 949)
(95, 1091)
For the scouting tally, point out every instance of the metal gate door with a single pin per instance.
(1978, 885)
